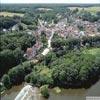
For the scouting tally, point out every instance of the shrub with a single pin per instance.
(6, 81)
(28, 78)
(45, 79)
(34, 78)
(44, 91)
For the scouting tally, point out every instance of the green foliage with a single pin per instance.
(6, 81)
(66, 66)
(12, 49)
(15, 40)
(48, 16)
(45, 78)
(34, 78)
(7, 22)
(43, 37)
(9, 59)
(60, 44)
(44, 91)
(28, 78)
(16, 75)
(50, 57)
(75, 11)
(87, 16)
(75, 70)
(40, 77)
(32, 27)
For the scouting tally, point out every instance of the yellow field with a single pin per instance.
(10, 14)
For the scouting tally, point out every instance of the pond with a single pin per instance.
(66, 94)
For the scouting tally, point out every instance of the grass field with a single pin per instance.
(10, 14)
(93, 51)
(93, 9)
(89, 9)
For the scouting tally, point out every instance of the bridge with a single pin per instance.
(28, 93)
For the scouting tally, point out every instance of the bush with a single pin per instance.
(44, 91)
(6, 81)
(45, 79)
(27, 67)
(35, 78)
(28, 78)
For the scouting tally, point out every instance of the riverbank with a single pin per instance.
(70, 94)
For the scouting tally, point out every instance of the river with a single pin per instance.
(66, 94)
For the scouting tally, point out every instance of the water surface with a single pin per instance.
(66, 94)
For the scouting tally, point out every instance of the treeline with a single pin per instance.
(87, 16)
(12, 49)
(72, 69)
(60, 46)
(15, 76)
(68, 66)
(69, 71)
(8, 22)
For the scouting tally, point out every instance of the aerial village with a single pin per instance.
(77, 29)
(64, 30)
(49, 47)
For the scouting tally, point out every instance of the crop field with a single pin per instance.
(10, 14)
(89, 9)
(93, 9)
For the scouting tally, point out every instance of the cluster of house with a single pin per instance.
(72, 30)
(63, 29)
(32, 52)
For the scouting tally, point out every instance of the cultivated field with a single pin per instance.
(93, 9)
(10, 14)
(89, 9)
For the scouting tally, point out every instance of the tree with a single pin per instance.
(11, 59)
(34, 78)
(7, 61)
(75, 11)
(16, 75)
(44, 91)
(6, 81)
(28, 78)
(7, 22)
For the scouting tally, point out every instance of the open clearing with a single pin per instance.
(10, 14)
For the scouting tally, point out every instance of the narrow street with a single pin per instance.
(46, 50)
